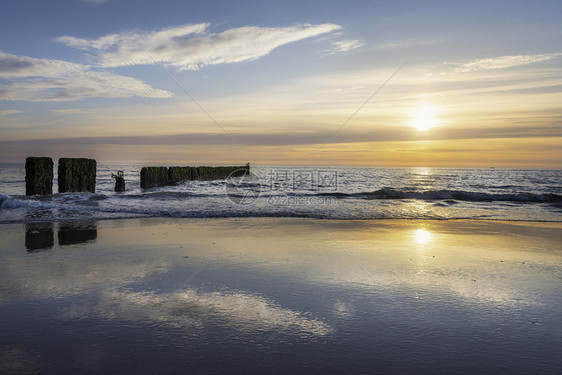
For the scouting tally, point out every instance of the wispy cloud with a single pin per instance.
(392, 45)
(69, 111)
(503, 62)
(346, 45)
(8, 112)
(34, 79)
(190, 47)
(409, 43)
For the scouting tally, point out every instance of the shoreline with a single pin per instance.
(298, 218)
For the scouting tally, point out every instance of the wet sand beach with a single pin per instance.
(278, 295)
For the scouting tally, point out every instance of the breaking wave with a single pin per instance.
(458, 195)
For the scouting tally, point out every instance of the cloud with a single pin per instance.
(346, 45)
(190, 47)
(409, 43)
(503, 62)
(393, 45)
(526, 129)
(35, 79)
(69, 111)
(8, 112)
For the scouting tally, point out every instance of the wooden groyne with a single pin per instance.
(38, 176)
(153, 176)
(77, 175)
(74, 175)
(162, 176)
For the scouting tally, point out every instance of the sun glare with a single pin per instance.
(423, 118)
(422, 236)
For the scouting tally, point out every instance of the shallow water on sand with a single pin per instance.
(280, 295)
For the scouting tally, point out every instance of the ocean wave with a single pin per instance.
(8, 202)
(451, 195)
(447, 196)
(386, 203)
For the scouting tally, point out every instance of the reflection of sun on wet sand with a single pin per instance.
(384, 286)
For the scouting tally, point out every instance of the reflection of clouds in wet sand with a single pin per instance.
(343, 310)
(193, 309)
(17, 361)
(431, 280)
(23, 278)
(472, 263)
(484, 290)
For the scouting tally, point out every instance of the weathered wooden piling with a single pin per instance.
(214, 173)
(38, 176)
(77, 175)
(153, 176)
(179, 174)
(119, 181)
(119, 184)
(161, 176)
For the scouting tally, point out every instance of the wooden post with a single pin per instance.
(38, 176)
(76, 175)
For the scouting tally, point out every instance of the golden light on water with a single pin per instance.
(423, 118)
(422, 236)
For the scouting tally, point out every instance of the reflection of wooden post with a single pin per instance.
(77, 175)
(39, 236)
(38, 176)
(72, 234)
(119, 181)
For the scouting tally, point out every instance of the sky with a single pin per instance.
(354, 83)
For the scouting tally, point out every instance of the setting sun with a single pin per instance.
(423, 118)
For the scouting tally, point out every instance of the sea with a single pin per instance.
(308, 192)
(262, 291)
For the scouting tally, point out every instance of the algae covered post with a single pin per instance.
(153, 176)
(213, 173)
(77, 175)
(38, 176)
(162, 176)
(119, 181)
(178, 174)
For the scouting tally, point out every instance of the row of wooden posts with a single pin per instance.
(79, 175)
(75, 175)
